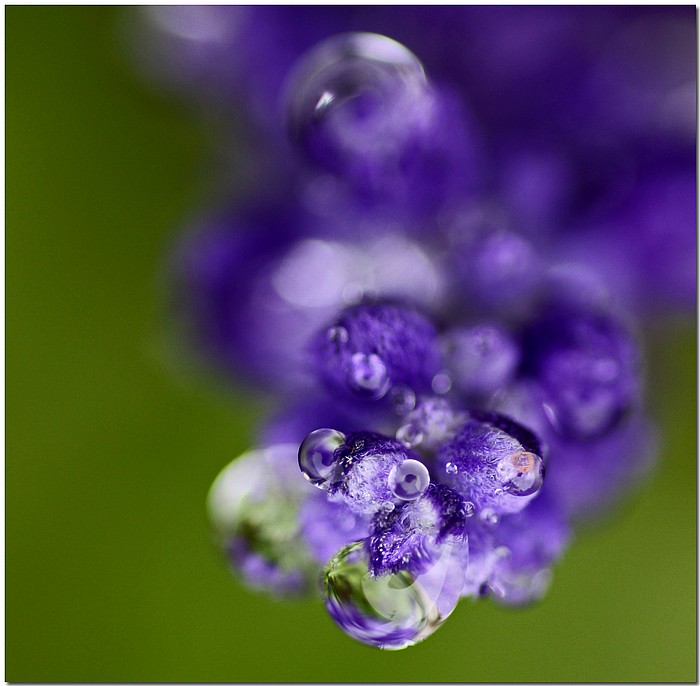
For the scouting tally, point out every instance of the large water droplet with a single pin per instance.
(367, 376)
(409, 479)
(392, 611)
(522, 473)
(317, 456)
(349, 95)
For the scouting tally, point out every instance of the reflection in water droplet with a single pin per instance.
(338, 335)
(317, 456)
(367, 376)
(469, 508)
(348, 92)
(489, 516)
(409, 479)
(404, 399)
(410, 435)
(392, 611)
(441, 383)
(522, 473)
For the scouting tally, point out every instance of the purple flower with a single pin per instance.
(479, 359)
(328, 525)
(370, 348)
(494, 463)
(587, 364)
(411, 535)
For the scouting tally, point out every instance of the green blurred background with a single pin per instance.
(110, 575)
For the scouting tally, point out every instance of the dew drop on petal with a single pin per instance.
(452, 468)
(489, 516)
(403, 398)
(391, 611)
(367, 376)
(317, 456)
(348, 90)
(469, 508)
(522, 472)
(338, 335)
(409, 479)
(410, 435)
(441, 383)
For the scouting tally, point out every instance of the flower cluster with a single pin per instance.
(436, 275)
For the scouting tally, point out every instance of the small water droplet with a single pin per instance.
(317, 455)
(441, 383)
(368, 376)
(488, 516)
(338, 335)
(388, 506)
(452, 468)
(410, 435)
(409, 479)
(501, 553)
(469, 508)
(404, 399)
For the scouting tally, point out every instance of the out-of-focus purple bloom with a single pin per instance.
(495, 270)
(588, 366)
(479, 359)
(586, 477)
(645, 249)
(328, 525)
(525, 546)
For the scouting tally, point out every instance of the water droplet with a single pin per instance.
(409, 479)
(317, 455)
(404, 399)
(388, 506)
(451, 468)
(489, 516)
(469, 508)
(391, 611)
(367, 376)
(522, 472)
(410, 435)
(441, 383)
(348, 93)
(338, 335)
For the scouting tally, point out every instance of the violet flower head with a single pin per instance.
(494, 463)
(435, 298)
